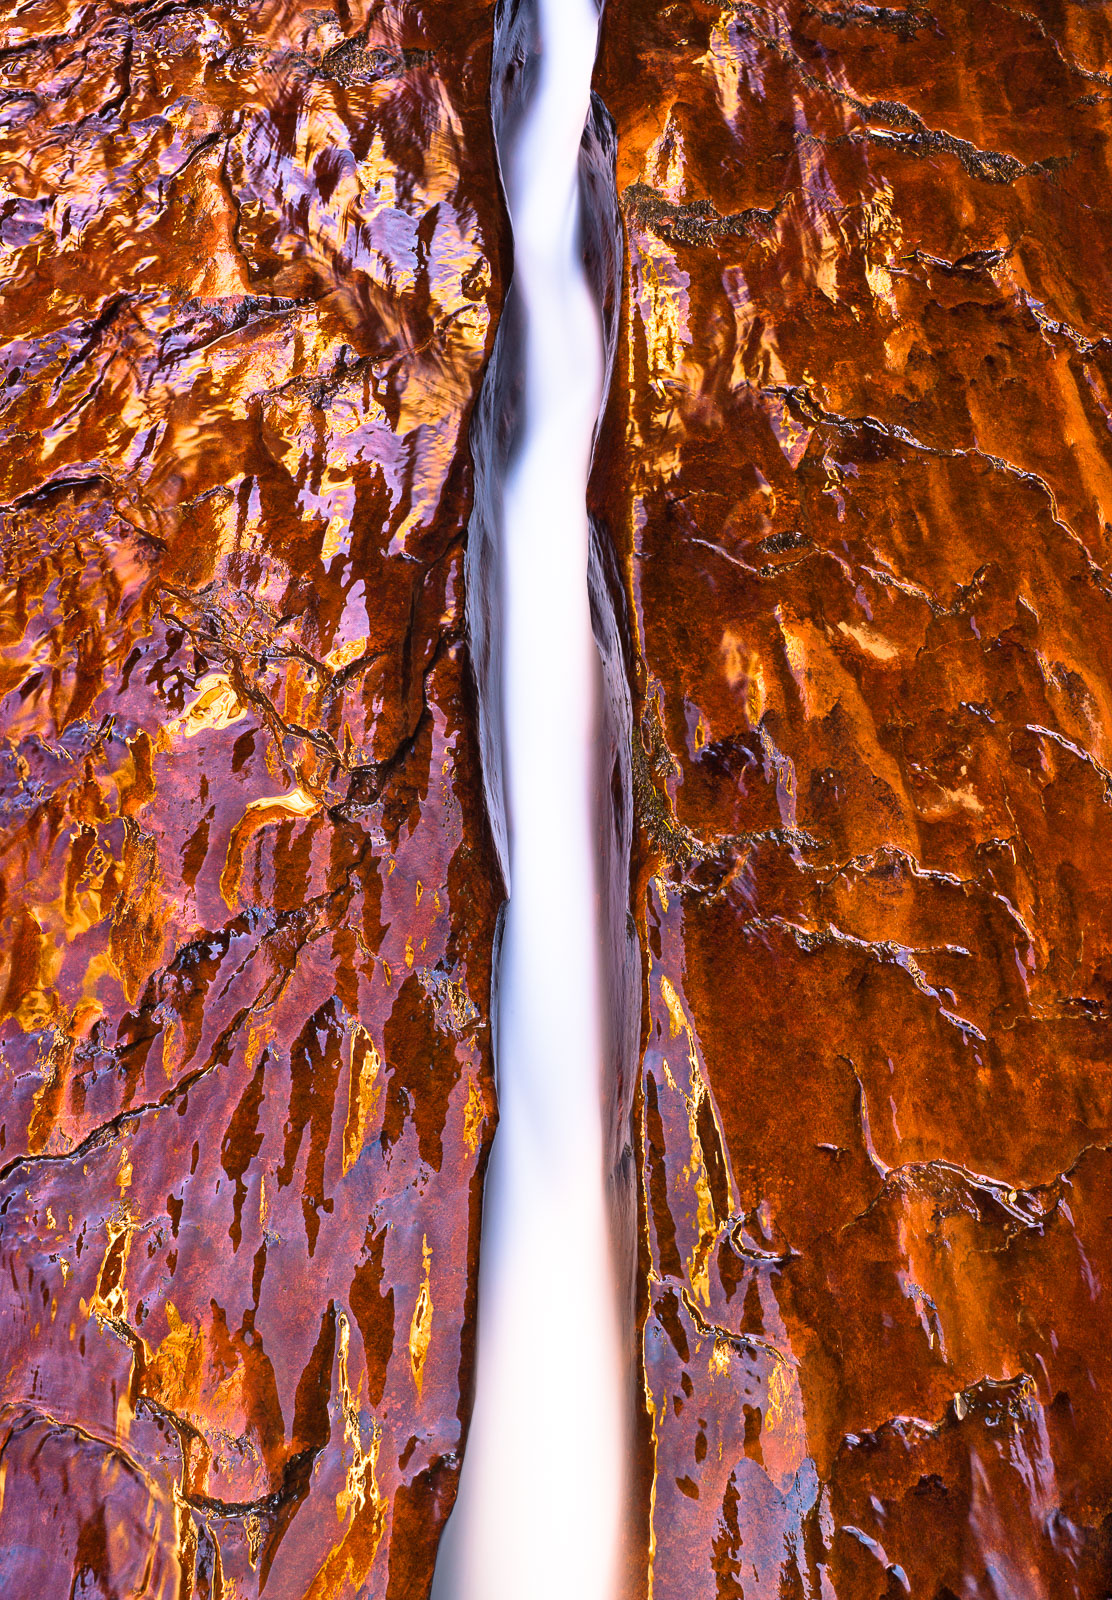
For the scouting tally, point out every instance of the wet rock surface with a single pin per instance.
(252, 264)
(856, 472)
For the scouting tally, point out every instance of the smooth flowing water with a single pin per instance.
(540, 1498)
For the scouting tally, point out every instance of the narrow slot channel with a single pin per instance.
(542, 1490)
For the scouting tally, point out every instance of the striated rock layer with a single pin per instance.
(856, 476)
(252, 261)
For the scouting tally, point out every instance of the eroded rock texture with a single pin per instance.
(857, 471)
(251, 263)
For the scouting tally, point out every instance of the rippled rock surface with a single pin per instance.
(857, 473)
(251, 264)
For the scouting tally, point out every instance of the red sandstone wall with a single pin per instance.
(252, 266)
(857, 471)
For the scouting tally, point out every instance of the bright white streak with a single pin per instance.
(542, 1488)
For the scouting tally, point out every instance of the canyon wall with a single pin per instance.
(253, 258)
(855, 479)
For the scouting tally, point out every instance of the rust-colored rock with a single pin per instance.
(857, 473)
(252, 265)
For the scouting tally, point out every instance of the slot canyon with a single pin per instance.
(778, 688)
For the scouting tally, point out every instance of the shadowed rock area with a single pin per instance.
(252, 260)
(856, 477)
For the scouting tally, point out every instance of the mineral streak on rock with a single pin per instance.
(252, 262)
(856, 472)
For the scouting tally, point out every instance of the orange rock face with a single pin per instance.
(251, 261)
(857, 474)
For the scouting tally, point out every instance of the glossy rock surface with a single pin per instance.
(252, 265)
(857, 474)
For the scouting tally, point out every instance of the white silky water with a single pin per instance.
(542, 1488)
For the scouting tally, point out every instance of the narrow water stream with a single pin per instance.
(541, 1492)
